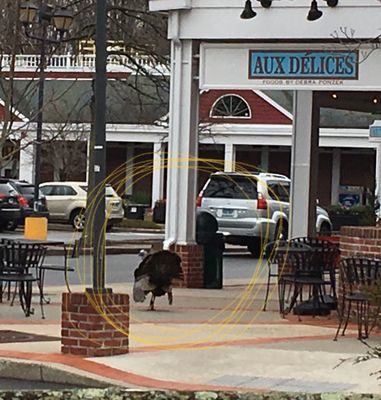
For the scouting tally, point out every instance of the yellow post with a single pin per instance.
(36, 228)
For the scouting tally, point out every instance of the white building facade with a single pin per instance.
(213, 48)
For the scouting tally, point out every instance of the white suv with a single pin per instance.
(66, 202)
(249, 207)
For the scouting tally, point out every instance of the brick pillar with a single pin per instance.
(192, 264)
(360, 240)
(95, 325)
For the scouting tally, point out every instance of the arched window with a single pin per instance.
(230, 106)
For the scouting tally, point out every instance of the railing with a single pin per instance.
(82, 62)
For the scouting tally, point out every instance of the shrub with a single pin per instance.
(365, 214)
(138, 198)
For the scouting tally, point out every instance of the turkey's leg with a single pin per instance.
(151, 303)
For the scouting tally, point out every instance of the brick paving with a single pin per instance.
(208, 340)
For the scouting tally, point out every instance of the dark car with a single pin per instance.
(10, 209)
(26, 200)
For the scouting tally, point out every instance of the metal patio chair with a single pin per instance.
(308, 272)
(277, 255)
(361, 283)
(330, 261)
(20, 264)
(313, 241)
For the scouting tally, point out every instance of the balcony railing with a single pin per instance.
(118, 63)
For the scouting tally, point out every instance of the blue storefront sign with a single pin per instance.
(375, 131)
(314, 64)
(349, 200)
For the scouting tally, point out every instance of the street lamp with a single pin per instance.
(313, 14)
(58, 19)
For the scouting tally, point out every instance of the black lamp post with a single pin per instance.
(99, 167)
(58, 19)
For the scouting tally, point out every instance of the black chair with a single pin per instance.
(330, 261)
(360, 278)
(20, 264)
(277, 258)
(72, 251)
(308, 268)
(312, 241)
(330, 258)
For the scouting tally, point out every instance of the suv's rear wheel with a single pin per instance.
(281, 230)
(254, 246)
(77, 219)
(3, 224)
(325, 229)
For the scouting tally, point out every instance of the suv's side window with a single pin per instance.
(57, 191)
(47, 190)
(279, 191)
(69, 191)
(60, 191)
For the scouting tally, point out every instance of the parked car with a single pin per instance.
(66, 202)
(10, 209)
(26, 200)
(251, 207)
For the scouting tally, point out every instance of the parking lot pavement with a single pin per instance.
(70, 235)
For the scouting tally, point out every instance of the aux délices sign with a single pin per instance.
(297, 64)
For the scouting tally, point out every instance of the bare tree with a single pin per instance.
(66, 153)
(136, 34)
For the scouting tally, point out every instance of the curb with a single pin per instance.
(68, 228)
(32, 371)
(109, 251)
(114, 250)
(127, 246)
(143, 230)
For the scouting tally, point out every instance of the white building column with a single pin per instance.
(335, 175)
(129, 168)
(183, 145)
(157, 173)
(265, 158)
(378, 172)
(229, 160)
(26, 164)
(304, 160)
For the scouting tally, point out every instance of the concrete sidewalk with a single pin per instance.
(207, 340)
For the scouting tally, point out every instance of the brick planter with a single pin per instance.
(192, 264)
(359, 242)
(365, 241)
(94, 325)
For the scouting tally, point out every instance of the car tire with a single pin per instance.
(325, 229)
(77, 219)
(3, 225)
(11, 225)
(281, 231)
(254, 246)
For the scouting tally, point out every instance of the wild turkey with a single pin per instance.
(155, 274)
